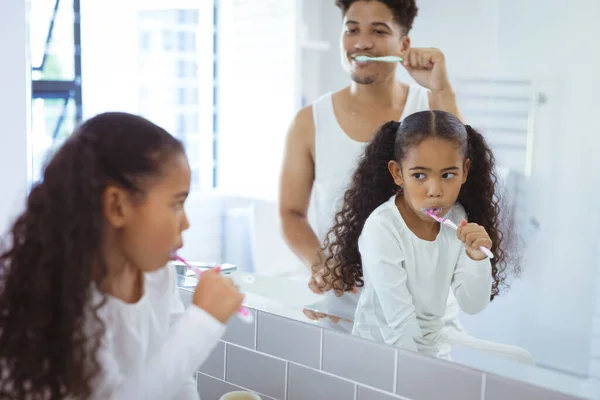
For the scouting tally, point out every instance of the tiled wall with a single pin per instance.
(284, 359)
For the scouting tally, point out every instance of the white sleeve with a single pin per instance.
(383, 264)
(472, 283)
(169, 372)
(189, 390)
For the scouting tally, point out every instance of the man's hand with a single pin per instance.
(427, 66)
(322, 279)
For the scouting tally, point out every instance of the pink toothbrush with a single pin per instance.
(452, 225)
(243, 314)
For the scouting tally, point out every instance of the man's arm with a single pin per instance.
(445, 100)
(427, 66)
(296, 182)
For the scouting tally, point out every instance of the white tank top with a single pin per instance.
(337, 155)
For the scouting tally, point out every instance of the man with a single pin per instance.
(326, 138)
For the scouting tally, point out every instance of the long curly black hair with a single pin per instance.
(50, 329)
(372, 185)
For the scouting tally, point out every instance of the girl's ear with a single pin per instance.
(466, 166)
(116, 206)
(396, 171)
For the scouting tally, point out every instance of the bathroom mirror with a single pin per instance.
(227, 78)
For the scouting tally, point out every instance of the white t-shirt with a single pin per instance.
(336, 159)
(407, 280)
(152, 348)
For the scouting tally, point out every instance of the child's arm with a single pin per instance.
(169, 373)
(472, 283)
(383, 264)
(189, 390)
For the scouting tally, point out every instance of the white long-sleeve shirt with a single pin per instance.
(407, 281)
(152, 348)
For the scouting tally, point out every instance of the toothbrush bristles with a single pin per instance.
(432, 215)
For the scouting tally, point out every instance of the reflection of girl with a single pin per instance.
(430, 162)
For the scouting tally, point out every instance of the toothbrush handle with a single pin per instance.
(451, 224)
(484, 250)
(487, 252)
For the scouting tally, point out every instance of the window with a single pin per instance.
(180, 125)
(181, 98)
(174, 72)
(194, 96)
(181, 68)
(56, 76)
(145, 38)
(168, 39)
(185, 17)
(192, 69)
(181, 38)
(168, 62)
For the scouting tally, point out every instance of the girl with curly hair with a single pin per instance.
(383, 238)
(88, 308)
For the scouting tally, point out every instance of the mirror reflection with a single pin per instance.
(438, 201)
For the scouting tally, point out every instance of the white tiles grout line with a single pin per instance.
(321, 349)
(287, 372)
(312, 369)
(320, 368)
(391, 395)
(395, 386)
(225, 362)
(255, 329)
(235, 384)
(483, 383)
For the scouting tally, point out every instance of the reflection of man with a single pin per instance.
(326, 138)
(316, 315)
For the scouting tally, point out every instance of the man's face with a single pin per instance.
(370, 29)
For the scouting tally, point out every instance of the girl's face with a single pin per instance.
(148, 231)
(431, 176)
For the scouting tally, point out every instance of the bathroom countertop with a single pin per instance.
(291, 298)
(275, 295)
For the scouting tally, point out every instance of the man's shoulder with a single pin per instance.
(303, 120)
(304, 113)
(301, 131)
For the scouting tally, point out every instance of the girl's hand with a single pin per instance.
(217, 295)
(474, 236)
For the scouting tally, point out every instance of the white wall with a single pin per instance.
(15, 103)
(257, 92)
(559, 285)
(550, 310)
